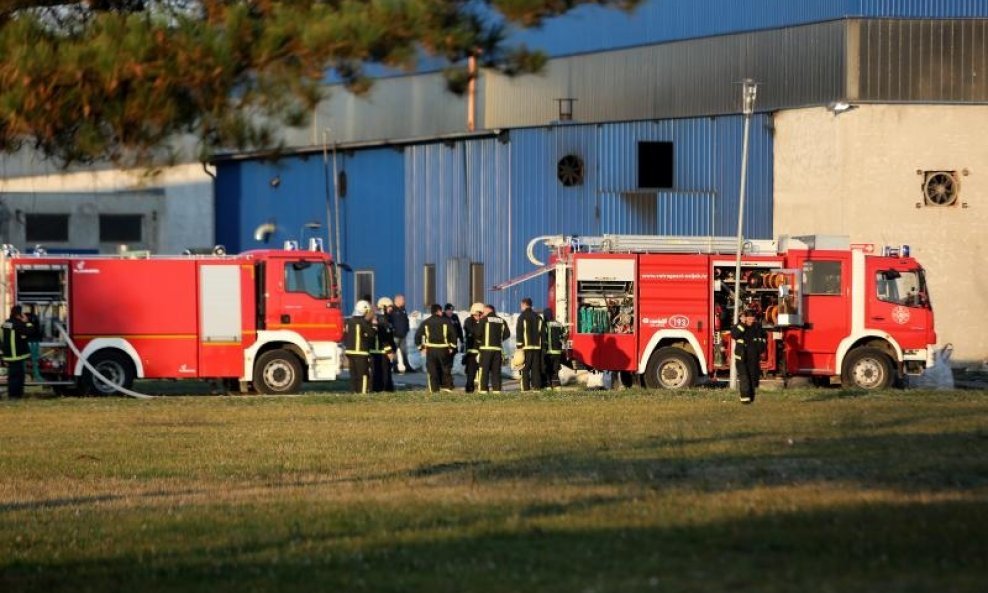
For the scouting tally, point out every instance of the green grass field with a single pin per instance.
(814, 490)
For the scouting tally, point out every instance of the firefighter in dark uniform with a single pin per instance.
(492, 331)
(383, 351)
(528, 338)
(449, 312)
(471, 360)
(358, 341)
(555, 334)
(16, 350)
(749, 343)
(437, 338)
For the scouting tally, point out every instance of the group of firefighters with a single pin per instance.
(371, 347)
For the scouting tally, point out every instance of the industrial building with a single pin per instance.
(871, 122)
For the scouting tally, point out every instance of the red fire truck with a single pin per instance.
(263, 319)
(662, 307)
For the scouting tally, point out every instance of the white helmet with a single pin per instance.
(384, 302)
(361, 308)
(476, 308)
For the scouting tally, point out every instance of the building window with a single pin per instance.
(308, 277)
(363, 286)
(120, 228)
(46, 227)
(822, 278)
(477, 291)
(655, 165)
(428, 284)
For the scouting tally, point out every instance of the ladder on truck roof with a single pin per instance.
(673, 244)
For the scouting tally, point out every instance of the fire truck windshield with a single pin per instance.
(902, 287)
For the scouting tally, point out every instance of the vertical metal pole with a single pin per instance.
(336, 196)
(472, 93)
(749, 93)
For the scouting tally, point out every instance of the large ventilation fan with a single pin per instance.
(570, 170)
(941, 188)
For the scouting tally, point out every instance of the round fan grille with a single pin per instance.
(941, 189)
(570, 170)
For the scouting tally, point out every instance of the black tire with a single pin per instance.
(867, 368)
(671, 368)
(112, 364)
(277, 372)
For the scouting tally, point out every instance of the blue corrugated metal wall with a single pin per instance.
(371, 213)
(483, 200)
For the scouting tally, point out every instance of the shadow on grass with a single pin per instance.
(869, 547)
(906, 462)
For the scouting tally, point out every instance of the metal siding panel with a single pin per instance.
(797, 66)
(923, 61)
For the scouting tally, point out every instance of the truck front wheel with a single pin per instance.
(115, 366)
(670, 368)
(867, 368)
(277, 372)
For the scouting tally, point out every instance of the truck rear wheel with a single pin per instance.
(670, 368)
(867, 368)
(115, 366)
(277, 372)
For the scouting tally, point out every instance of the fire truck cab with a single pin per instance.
(662, 307)
(262, 319)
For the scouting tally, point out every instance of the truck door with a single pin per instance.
(896, 301)
(826, 312)
(606, 312)
(300, 298)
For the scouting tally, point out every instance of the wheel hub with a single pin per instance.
(868, 373)
(112, 371)
(672, 374)
(278, 374)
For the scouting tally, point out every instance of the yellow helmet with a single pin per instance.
(476, 308)
(384, 302)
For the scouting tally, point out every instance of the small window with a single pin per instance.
(363, 286)
(655, 165)
(46, 227)
(822, 278)
(308, 277)
(477, 291)
(429, 284)
(120, 228)
(900, 287)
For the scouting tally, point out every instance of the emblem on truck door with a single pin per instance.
(901, 315)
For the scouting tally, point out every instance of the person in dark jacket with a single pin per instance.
(491, 332)
(34, 342)
(437, 339)
(555, 335)
(749, 342)
(471, 360)
(528, 338)
(358, 339)
(15, 350)
(449, 311)
(383, 352)
(399, 323)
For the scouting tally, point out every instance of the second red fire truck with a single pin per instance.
(662, 307)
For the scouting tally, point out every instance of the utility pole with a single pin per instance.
(749, 92)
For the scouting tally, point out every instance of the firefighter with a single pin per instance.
(555, 333)
(749, 343)
(449, 312)
(437, 338)
(491, 332)
(471, 360)
(383, 352)
(359, 339)
(528, 338)
(15, 350)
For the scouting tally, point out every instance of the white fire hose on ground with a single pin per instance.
(92, 369)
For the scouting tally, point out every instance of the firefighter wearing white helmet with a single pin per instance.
(383, 351)
(471, 360)
(359, 338)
